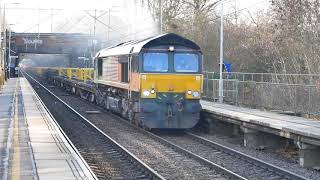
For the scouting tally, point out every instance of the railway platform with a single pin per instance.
(32, 145)
(268, 129)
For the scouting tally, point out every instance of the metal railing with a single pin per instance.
(309, 79)
(296, 93)
(230, 92)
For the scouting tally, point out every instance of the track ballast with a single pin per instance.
(178, 156)
(107, 158)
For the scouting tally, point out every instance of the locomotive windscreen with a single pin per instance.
(186, 62)
(155, 62)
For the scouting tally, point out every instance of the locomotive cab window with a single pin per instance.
(99, 64)
(155, 62)
(186, 62)
(124, 72)
(135, 63)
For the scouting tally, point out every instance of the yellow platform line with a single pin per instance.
(15, 174)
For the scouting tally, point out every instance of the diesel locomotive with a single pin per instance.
(154, 82)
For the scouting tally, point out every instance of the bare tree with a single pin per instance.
(171, 9)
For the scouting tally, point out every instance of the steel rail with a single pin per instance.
(200, 159)
(152, 173)
(250, 159)
(196, 157)
(64, 134)
(240, 155)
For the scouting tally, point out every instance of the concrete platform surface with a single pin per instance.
(285, 123)
(32, 146)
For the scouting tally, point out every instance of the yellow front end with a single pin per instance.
(189, 84)
(170, 100)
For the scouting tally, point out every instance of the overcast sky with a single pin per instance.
(25, 16)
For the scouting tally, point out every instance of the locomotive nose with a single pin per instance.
(171, 87)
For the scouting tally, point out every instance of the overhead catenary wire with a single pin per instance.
(51, 14)
(40, 22)
(101, 22)
(117, 29)
(218, 18)
(73, 25)
(120, 30)
(61, 26)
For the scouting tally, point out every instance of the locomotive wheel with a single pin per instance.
(77, 92)
(73, 90)
(131, 116)
(68, 88)
(124, 113)
(92, 98)
(106, 104)
(146, 128)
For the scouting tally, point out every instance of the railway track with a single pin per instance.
(242, 164)
(194, 153)
(107, 158)
(165, 158)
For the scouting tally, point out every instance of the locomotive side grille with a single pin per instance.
(110, 69)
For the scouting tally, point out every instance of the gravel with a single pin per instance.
(104, 160)
(235, 164)
(283, 160)
(166, 161)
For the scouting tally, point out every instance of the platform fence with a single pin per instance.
(291, 93)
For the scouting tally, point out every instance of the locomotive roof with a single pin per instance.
(164, 39)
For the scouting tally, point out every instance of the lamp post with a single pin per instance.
(9, 44)
(221, 57)
(4, 40)
(2, 79)
(9, 55)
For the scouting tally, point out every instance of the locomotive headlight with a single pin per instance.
(195, 94)
(189, 92)
(146, 93)
(171, 48)
(152, 91)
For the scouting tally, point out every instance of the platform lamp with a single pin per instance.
(3, 38)
(9, 55)
(2, 78)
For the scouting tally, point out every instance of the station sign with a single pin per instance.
(32, 41)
